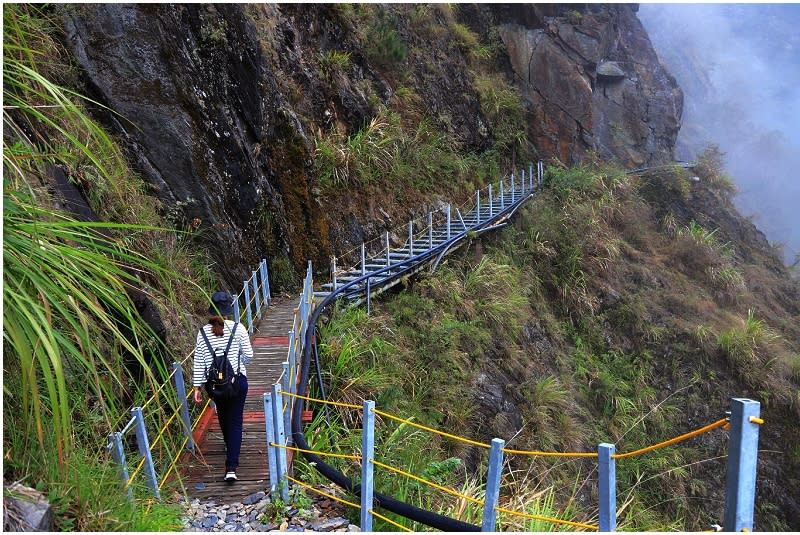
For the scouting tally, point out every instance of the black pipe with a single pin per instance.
(429, 518)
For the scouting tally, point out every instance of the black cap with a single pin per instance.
(221, 303)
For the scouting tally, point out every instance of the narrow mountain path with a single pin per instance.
(204, 471)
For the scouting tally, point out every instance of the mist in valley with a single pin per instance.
(739, 68)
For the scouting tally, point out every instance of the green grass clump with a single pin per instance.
(744, 347)
(505, 112)
(386, 154)
(87, 495)
(385, 47)
(333, 63)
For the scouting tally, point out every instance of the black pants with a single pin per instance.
(230, 414)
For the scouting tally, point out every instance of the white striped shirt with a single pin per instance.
(203, 359)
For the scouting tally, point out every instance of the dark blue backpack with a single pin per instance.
(221, 383)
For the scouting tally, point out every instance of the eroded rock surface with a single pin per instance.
(594, 82)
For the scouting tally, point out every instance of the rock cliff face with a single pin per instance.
(217, 104)
(205, 123)
(594, 83)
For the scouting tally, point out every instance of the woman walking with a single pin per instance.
(212, 340)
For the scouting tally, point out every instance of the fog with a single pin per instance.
(739, 68)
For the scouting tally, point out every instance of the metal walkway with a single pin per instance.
(375, 273)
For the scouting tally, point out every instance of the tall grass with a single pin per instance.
(71, 333)
(64, 288)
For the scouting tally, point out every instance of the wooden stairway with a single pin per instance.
(204, 471)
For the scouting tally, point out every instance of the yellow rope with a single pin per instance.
(690, 434)
(135, 472)
(756, 420)
(551, 453)
(187, 357)
(431, 430)
(669, 442)
(174, 462)
(429, 483)
(334, 403)
(331, 496)
(322, 453)
(159, 389)
(547, 519)
(141, 463)
(200, 414)
(392, 522)
(161, 431)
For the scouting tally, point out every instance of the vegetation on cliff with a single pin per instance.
(606, 313)
(76, 349)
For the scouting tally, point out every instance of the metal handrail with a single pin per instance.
(261, 295)
(351, 289)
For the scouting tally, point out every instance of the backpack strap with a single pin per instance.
(239, 354)
(227, 348)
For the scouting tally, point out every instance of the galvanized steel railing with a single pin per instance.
(256, 296)
(379, 263)
(375, 268)
(279, 403)
(383, 268)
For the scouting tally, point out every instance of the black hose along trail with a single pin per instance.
(429, 518)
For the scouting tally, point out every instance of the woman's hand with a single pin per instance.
(198, 395)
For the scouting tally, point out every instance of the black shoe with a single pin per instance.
(230, 476)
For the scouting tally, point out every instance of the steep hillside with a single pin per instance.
(627, 309)
(256, 124)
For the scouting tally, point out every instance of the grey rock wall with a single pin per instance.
(593, 82)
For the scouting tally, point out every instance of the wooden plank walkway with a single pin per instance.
(204, 471)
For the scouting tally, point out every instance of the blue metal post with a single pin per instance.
(280, 438)
(272, 454)
(367, 456)
(523, 180)
(512, 187)
(742, 460)
(256, 294)
(493, 485)
(541, 173)
(448, 222)
(491, 202)
(144, 450)
(411, 238)
(293, 364)
(502, 196)
(265, 282)
(608, 487)
(369, 290)
(303, 316)
(249, 310)
(530, 173)
(180, 388)
(430, 230)
(292, 349)
(287, 387)
(388, 249)
(333, 273)
(478, 206)
(237, 313)
(118, 454)
(363, 259)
